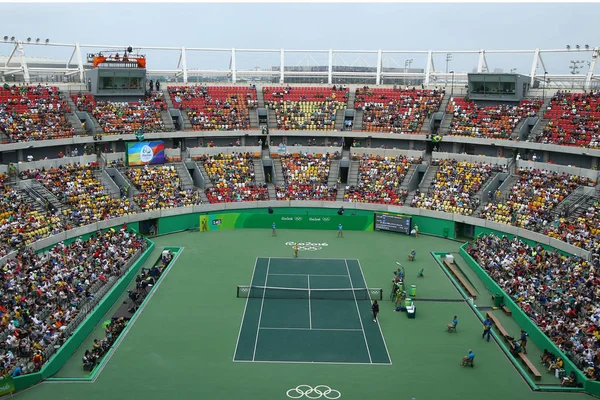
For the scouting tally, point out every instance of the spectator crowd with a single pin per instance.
(396, 110)
(455, 186)
(306, 177)
(33, 113)
(44, 294)
(379, 180)
(160, 188)
(558, 292)
(233, 179)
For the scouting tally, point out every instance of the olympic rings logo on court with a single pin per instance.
(308, 246)
(319, 391)
(298, 218)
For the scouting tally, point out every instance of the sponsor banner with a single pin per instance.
(6, 386)
(287, 221)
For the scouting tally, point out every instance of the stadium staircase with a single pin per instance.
(425, 183)
(334, 173)
(260, 98)
(272, 191)
(47, 196)
(184, 175)
(72, 118)
(538, 130)
(259, 172)
(353, 173)
(408, 177)
(168, 121)
(207, 182)
(351, 99)
(279, 181)
(33, 199)
(253, 114)
(358, 121)
(187, 124)
(446, 121)
(482, 193)
(168, 100)
(339, 120)
(272, 119)
(576, 202)
(506, 187)
(109, 185)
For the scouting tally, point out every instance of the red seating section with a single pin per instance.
(494, 122)
(395, 110)
(33, 113)
(215, 107)
(574, 120)
(310, 108)
(117, 118)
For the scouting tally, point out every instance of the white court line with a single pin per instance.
(304, 258)
(378, 324)
(244, 314)
(136, 316)
(358, 311)
(309, 362)
(312, 329)
(262, 303)
(305, 275)
(309, 306)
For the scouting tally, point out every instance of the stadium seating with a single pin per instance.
(233, 178)
(454, 187)
(379, 180)
(160, 188)
(556, 291)
(52, 290)
(20, 223)
(215, 107)
(310, 108)
(532, 198)
(493, 122)
(397, 111)
(580, 230)
(117, 118)
(574, 120)
(33, 113)
(77, 186)
(305, 177)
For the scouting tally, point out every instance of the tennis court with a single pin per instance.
(309, 311)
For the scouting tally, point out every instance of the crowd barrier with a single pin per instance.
(56, 162)
(304, 149)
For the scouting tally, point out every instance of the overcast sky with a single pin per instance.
(445, 26)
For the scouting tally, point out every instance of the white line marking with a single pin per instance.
(244, 314)
(303, 259)
(358, 311)
(309, 306)
(310, 362)
(137, 315)
(305, 275)
(312, 329)
(378, 323)
(262, 303)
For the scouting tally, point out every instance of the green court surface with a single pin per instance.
(309, 311)
(182, 345)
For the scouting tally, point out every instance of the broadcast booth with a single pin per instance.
(117, 74)
(498, 87)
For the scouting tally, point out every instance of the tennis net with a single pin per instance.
(269, 292)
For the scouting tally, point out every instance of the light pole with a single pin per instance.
(407, 66)
(448, 59)
(452, 85)
(544, 87)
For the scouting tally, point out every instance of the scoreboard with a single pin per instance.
(393, 223)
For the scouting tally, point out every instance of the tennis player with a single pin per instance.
(274, 229)
(375, 309)
(296, 250)
(340, 231)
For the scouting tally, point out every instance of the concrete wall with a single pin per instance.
(359, 151)
(587, 173)
(198, 151)
(54, 163)
(470, 158)
(307, 149)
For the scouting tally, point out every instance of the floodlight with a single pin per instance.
(29, 39)
(568, 47)
(577, 46)
(47, 41)
(12, 39)
(37, 40)
(5, 38)
(587, 46)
